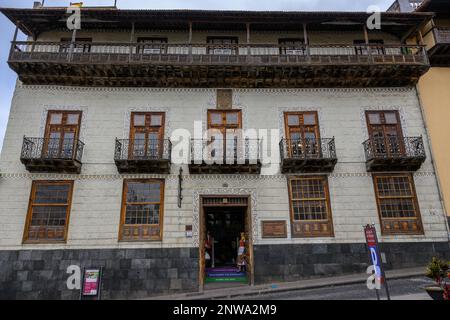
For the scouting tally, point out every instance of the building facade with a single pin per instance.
(108, 161)
(433, 86)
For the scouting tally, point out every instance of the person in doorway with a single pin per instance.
(242, 263)
(208, 250)
(241, 252)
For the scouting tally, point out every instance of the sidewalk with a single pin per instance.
(246, 291)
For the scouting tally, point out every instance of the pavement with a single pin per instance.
(249, 292)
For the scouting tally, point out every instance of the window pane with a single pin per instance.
(139, 120)
(143, 192)
(394, 186)
(51, 193)
(49, 216)
(374, 118)
(307, 189)
(56, 118)
(232, 118)
(293, 120)
(397, 208)
(391, 118)
(216, 118)
(156, 120)
(73, 118)
(309, 119)
(142, 214)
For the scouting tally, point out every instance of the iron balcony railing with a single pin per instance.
(304, 149)
(228, 151)
(113, 52)
(52, 149)
(143, 150)
(394, 148)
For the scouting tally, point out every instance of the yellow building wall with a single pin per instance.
(434, 88)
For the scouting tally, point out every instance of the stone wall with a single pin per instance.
(297, 261)
(128, 273)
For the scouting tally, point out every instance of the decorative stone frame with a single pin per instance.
(219, 192)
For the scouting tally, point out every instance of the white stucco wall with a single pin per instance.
(95, 214)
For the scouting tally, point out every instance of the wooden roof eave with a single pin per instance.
(35, 21)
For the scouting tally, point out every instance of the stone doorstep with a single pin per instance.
(248, 291)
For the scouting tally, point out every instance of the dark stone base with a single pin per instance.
(300, 261)
(128, 273)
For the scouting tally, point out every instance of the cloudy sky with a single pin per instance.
(7, 77)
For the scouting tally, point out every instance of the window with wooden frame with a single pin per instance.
(385, 133)
(82, 45)
(292, 46)
(152, 45)
(61, 134)
(397, 203)
(48, 212)
(310, 207)
(222, 45)
(302, 134)
(142, 210)
(227, 122)
(146, 135)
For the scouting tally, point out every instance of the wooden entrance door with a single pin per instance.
(146, 135)
(385, 132)
(303, 134)
(61, 134)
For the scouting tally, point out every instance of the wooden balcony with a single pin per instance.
(139, 156)
(306, 155)
(204, 65)
(440, 53)
(231, 157)
(394, 154)
(52, 155)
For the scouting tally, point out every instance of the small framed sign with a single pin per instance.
(274, 229)
(189, 233)
(92, 278)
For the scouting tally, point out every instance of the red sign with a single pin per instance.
(371, 236)
(91, 282)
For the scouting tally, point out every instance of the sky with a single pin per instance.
(8, 77)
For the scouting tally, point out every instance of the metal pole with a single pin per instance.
(190, 41)
(382, 268)
(213, 265)
(306, 41)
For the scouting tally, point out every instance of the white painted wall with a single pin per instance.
(95, 214)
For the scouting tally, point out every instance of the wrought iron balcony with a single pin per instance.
(143, 156)
(225, 156)
(52, 155)
(307, 155)
(394, 154)
(206, 65)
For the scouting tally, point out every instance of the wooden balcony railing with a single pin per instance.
(394, 153)
(111, 52)
(442, 35)
(52, 155)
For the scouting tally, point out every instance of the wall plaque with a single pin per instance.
(274, 229)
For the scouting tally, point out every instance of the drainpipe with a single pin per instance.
(430, 150)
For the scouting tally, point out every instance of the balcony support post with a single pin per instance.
(131, 41)
(16, 32)
(72, 44)
(367, 41)
(190, 41)
(248, 41)
(306, 41)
